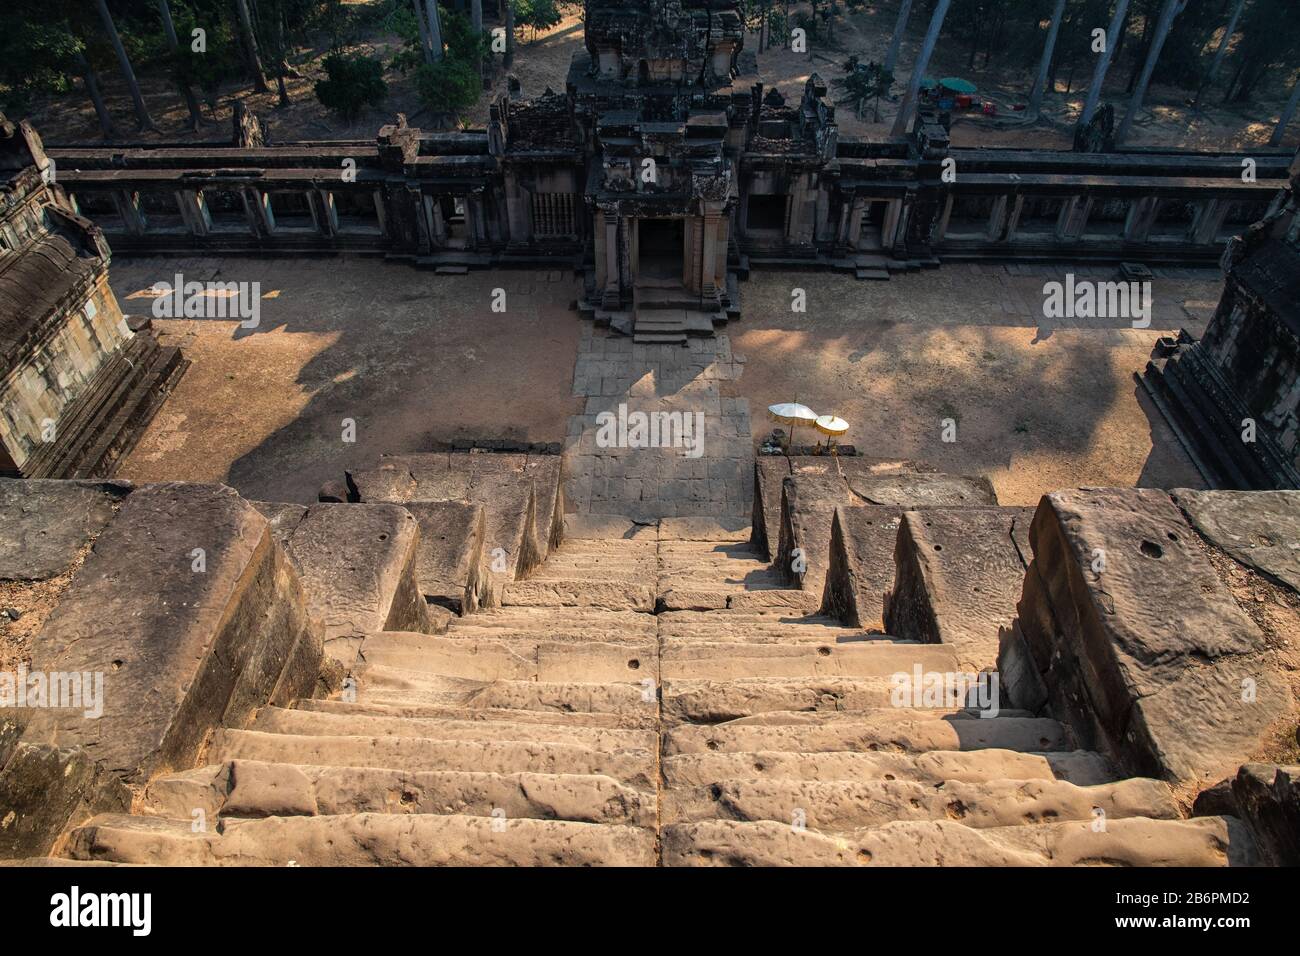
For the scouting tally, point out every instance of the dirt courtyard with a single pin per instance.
(415, 358)
(1036, 407)
(411, 357)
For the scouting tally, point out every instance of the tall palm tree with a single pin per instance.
(173, 44)
(900, 27)
(141, 111)
(1045, 63)
(1170, 10)
(1103, 64)
(1220, 53)
(250, 47)
(918, 69)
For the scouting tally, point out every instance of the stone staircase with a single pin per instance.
(651, 694)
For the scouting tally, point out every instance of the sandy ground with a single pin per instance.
(1164, 121)
(411, 357)
(1036, 408)
(415, 358)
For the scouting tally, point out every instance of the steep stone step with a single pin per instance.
(277, 720)
(579, 593)
(486, 659)
(631, 766)
(385, 685)
(251, 788)
(364, 839)
(686, 659)
(710, 702)
(1205, 841)
(793, 633)
(851, 805)
(882, 731)
(646, 719)
(548, 619)
(1083, 768)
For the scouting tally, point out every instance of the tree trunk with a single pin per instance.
(141, 111)
(1220, 53)
(1040, 82)
(1170, 10)
(422, 25)
(918, 69)
(476, 24)
(250, 48)
(435, 31)
(1141, 60)
(510, 31)
(173, 44)
(1103, 64)
(896, 41)
(281, 58)
(92, 90)
(1287, 113)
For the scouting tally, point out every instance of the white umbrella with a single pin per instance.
(830, 425)
(792, 414)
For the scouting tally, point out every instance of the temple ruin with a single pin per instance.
(480, 655)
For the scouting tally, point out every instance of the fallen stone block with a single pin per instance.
(1136, 642)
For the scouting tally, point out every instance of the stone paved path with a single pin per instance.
(613, 473)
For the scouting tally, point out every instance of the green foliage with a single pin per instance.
(353, 83)
(449, 86)
(863, 83)
(218, 63)
(536, 14)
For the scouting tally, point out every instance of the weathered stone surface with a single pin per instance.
(450, 567)
(357, 564)
(1140, 646)
(44, 788)
(367, 839)
(1268, 798)
(201, 647)
(958, 576)
(922, 490)
(1258, 528)
(1206, 841)
(46, 523)
(808, 504)
(250, 788)
(861, 569)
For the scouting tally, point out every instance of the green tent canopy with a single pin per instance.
(957, 85)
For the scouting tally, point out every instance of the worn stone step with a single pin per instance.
(646, 720)
(711, 531)
(1083, 768)
(582, 528)
(840, 805)
(579, 593)
(488, 659)
(710, 702)
(278, 720)
(546, 619)
(635, 767)
(879, 731)
(687, 659)
(786, 634)
(252, 788)
(386, 685)
(1205, 841)
(364, 839)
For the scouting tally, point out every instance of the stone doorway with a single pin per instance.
(661, 245)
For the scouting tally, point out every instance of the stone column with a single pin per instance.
(611, 294)
(997, 219)
(709, 257)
